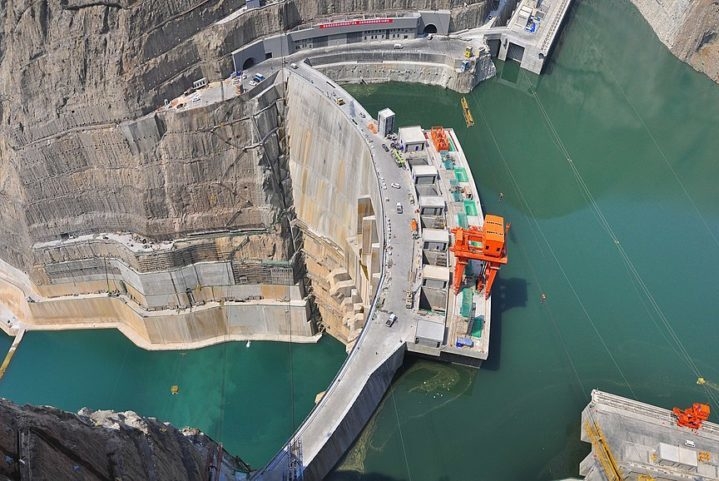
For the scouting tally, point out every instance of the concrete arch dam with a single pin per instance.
(337, 175)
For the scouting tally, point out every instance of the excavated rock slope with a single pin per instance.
(74, 73)
(44, 443)
(689, 28)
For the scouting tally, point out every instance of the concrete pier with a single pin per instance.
(635, 440)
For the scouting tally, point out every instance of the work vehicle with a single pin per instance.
(391, 319)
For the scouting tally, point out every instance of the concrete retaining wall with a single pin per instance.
(397, 66)
(188, 328)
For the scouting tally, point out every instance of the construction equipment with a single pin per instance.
(467, 52)
(692, 417)
(484, 244)
(439, 139)
(413, 228)
(611, 469)
(469, 120)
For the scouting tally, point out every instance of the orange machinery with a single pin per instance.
(692, 417)
(439, 139)
(484, 244)
(413, 226)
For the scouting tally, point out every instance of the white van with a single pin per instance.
(399, 208)
(293, 65)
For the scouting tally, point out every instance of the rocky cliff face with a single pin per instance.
(689, 28)
(75, 73)
(43, 443)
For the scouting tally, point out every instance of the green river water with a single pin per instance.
(607, 163)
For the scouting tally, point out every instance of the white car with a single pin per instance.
(395, 185)
(252, 83)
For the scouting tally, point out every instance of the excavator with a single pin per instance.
(692, 417)
(485, 244)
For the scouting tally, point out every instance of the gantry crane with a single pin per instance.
(692, 417)
(484, 244)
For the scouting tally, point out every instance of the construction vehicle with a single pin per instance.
(413, 228)
(484, 244)
(692, 417)
(467, 52)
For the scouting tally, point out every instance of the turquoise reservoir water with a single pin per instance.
(608, 168)
(239, 395)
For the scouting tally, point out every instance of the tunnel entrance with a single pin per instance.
(430, 28)
(493, 47)
(515, 52)
(250, 62)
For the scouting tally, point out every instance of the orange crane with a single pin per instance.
(484, 244)
(692, 417)
(439, 139)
